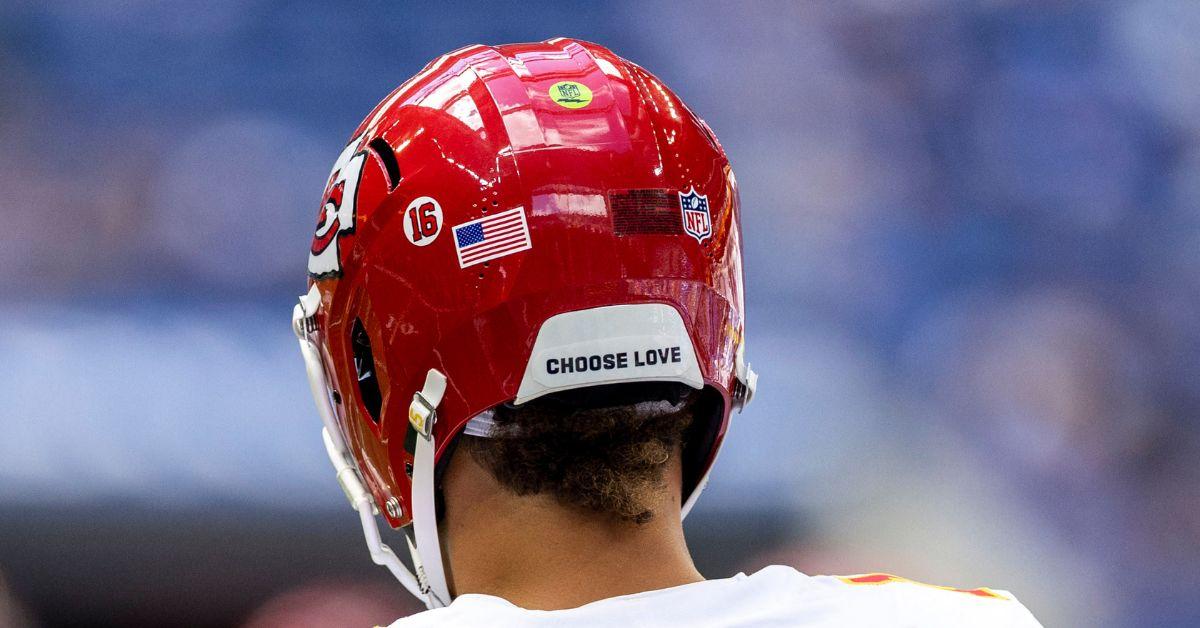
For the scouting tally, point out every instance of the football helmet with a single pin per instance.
(512, 222)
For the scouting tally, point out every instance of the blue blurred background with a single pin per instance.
(973, 257)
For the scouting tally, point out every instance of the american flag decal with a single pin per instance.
(491, 236)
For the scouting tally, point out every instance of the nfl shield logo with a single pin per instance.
(696, 220)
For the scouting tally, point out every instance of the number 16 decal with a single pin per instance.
(423, 221)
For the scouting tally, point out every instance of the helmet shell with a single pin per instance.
(603, 172)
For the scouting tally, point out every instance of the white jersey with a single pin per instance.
(774, 596)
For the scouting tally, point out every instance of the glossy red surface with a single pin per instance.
(478, 131)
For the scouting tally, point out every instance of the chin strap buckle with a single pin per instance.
(422, 412)
(304, 315)
(745, 380)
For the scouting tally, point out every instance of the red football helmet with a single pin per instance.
(512, 222)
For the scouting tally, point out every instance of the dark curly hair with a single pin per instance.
(602, 449)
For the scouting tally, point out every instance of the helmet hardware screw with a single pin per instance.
(393, 508)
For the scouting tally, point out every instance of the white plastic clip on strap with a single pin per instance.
(421, 412)
(747, 379)
(426, 551)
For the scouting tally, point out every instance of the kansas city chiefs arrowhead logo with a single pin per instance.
(337, 212)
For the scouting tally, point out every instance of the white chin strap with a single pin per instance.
(429, 583)
(422, 414)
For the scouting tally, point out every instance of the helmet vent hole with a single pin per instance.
(388, 158)
(365, 372)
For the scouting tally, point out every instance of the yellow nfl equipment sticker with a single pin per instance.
(570, 94)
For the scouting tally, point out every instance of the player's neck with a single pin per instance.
(539, 555)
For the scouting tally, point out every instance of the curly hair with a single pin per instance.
(602, 450)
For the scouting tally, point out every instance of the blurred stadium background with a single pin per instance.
(974, 281)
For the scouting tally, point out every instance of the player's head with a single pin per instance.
(603, 449)
(537, 245)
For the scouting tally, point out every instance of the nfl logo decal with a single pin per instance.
(696, 220)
